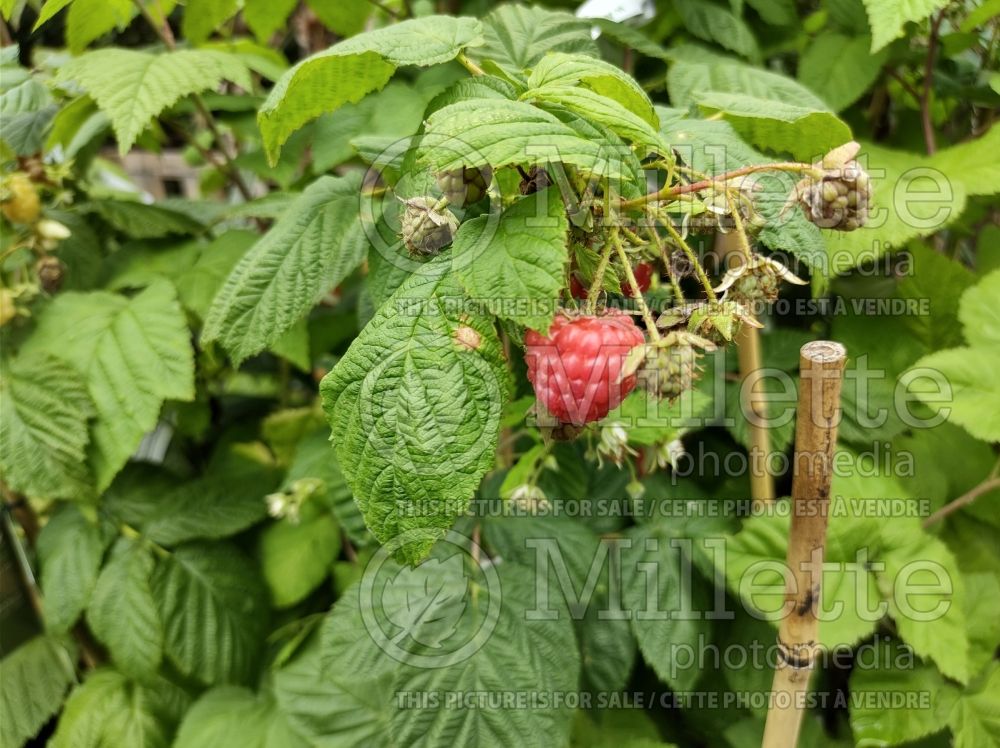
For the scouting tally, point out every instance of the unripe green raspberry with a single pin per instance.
(465, 186)
(839, 199)
(426, 231)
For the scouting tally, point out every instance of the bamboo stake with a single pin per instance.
(748, 352)
(821, 366)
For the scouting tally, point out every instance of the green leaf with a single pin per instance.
(982, 615)
(607, 646)
(204, 17)
(33, 681)
(228, 498)
(132, 87)
(198, 283)
(353, 68)
(697, 71)
(934, 635)
(971, 163)
(312, 248)
(979, 311)
(887, 17)
(415, 407)
(715, 23)
(974, 401)
(48, 11)
(134, 354)
(233, 717)
(632, 38)
(567, 70)
(518, 36)
(88, 20)
(69, 553)
(497, 132)
(214, 609)
(344, 17)
(602, 110)
(898, 672)
(142, 221)
(43, 427)
(842, 84)
(658, 601)
(520, 256)
(345, 706)
(109, 709)
(122, 613)
(777, 126)
(296, 556)
(975, 720)
(264, 17)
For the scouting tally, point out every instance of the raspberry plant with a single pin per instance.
(323, 442)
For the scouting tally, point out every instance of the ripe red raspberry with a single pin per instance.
(643, 276)
(577, 370)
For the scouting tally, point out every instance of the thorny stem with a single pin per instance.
(699, 270)
(670, 192)
(598, 282)
(230, 169)
(635, 292)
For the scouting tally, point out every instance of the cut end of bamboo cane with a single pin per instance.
(823, 352)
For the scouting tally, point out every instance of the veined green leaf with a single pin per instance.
(603, 110)
(214, 609)
(88, 20)
(43, 427)
(518, 36)
(122, 613)
(69, 553)
(979, 311)
(842, 84)
(297, 555)
(887, 17)
(204, 17)
(970, 373)
(34, 680)
(132, 87)
(566, 70)
(233, 717)
(415, 408)
(497, 132)
(264, 17)
(715, 23)
(777, 126)
(110, 709)
(134, 353)
(313, 247)
(353, 68)
(519, 257)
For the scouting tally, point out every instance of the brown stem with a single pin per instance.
(682, 189)
(925, 98)
(821, 365)
(231, 171)
(964, 500)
